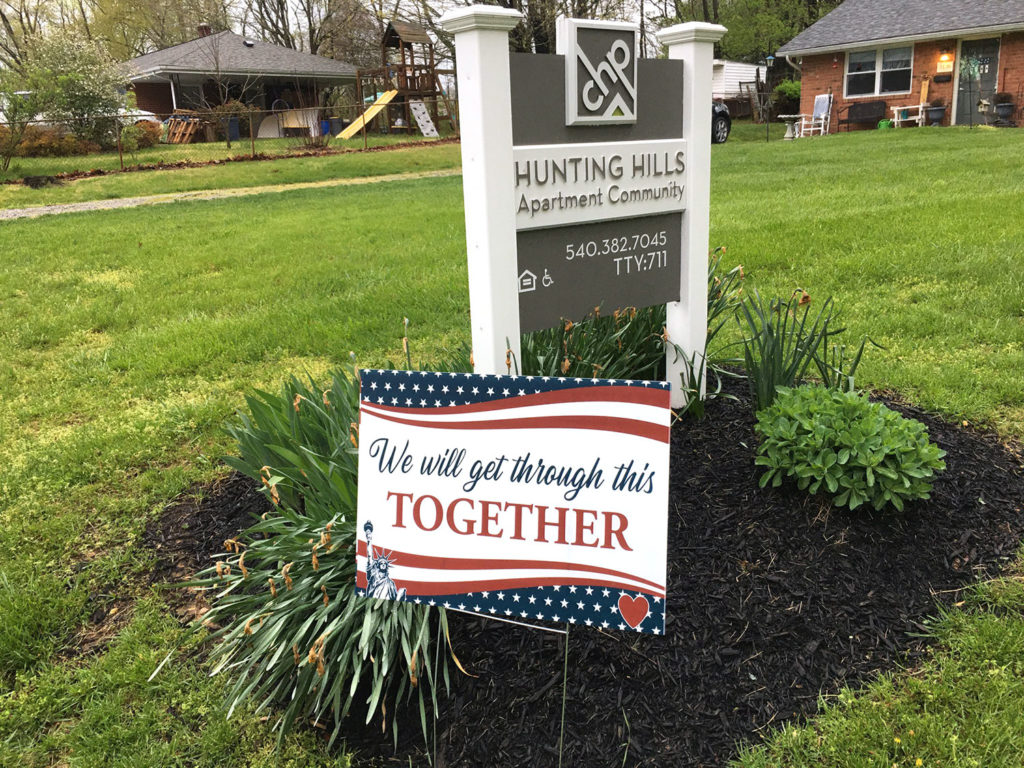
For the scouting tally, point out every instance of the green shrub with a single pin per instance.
(786, 96)
(292, 631)
(630, 343)
(38, 141)
(781, 343)
(842, 444)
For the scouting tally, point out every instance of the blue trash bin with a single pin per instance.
(231, 129)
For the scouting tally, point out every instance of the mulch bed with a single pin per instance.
(773, 599)
(241, 158)
(190, 531)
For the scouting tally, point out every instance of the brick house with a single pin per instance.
(217, 66)
(886, 50)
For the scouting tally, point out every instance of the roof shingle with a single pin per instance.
(868, 21)
(230, 53)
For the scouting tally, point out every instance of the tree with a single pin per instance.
(351, 34)
(17, 110)
(77, 83)
(756, 27)
(20, 21)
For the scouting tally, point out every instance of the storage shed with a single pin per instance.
(727, 75)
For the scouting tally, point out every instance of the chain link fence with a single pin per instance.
(40, 148)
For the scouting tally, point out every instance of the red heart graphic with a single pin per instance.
(633, 610)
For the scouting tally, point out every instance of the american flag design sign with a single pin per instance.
(536, 499)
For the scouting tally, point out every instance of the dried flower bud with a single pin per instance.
(323, 589)
(286, 577)
(273, 587)
(295, 402)
(565, 365)
(241, 566)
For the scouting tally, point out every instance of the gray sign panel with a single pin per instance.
(565, 272)
(538, 103)
(604, 75)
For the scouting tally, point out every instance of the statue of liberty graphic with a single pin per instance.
(378, 571)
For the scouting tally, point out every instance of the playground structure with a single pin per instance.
(406, 89)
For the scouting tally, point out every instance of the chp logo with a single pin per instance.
(600, 60)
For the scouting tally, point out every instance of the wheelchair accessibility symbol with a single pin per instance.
(547, 281)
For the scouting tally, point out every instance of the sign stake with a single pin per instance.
(565, 688)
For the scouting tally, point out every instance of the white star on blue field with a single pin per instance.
(578, 605)
(434, 389)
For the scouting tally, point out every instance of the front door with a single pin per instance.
(979, 68)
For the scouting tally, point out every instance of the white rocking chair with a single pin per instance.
(820, 121)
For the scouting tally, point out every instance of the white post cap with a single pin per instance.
(691, 32)
(480, 17)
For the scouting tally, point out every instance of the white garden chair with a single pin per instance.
(820, 120)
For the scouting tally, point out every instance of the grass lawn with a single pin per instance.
(128, 337)
(234, 175)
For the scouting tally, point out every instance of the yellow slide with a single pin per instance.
(368, 115)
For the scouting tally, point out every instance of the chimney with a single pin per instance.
(205, 30)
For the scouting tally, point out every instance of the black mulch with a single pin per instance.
(191, 530)
(774, 599)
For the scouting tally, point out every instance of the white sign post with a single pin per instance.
(485, 117)
(569, 193)
(687, 319)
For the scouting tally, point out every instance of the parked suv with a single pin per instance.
(721, 122)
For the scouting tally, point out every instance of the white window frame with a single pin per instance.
(879, 53)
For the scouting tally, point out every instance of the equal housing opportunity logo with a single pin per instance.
(600, 72)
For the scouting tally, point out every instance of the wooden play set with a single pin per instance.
(406, 88)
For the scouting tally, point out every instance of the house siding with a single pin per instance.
(727, 76)
(154, 97)
(818, 75)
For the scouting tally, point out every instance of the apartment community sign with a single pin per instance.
(600, 171)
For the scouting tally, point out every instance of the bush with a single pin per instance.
(294, 633)
(38, 141)
(149, 133)
(781, 343)
(631, 343)
(786, 96)
(841, 443)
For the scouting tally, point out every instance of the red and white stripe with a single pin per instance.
(427, 575)
(634, 410)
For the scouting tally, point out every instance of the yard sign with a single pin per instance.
(586, 178)
(517, 497)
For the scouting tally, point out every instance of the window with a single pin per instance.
(887, 70)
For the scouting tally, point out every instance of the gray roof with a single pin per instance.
(857, 22)
(228, 53)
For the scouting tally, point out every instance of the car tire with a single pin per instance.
(720, 127)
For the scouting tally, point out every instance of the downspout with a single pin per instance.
(174, 97)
